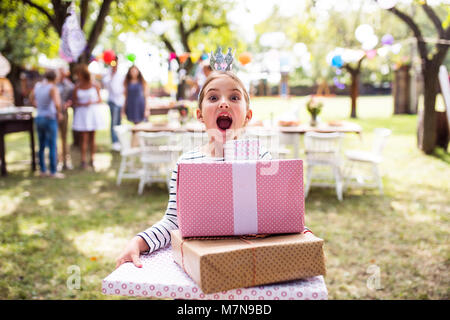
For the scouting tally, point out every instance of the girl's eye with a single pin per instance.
(235, 98)
(212, 98)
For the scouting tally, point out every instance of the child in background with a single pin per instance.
(224, 109)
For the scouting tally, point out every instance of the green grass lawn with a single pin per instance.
(48, 226)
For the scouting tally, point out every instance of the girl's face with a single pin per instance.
(223, 107)
(134, 73)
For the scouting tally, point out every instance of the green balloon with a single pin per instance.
(131, 57)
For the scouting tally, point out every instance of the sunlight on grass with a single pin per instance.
(29, 228)
(105, 244)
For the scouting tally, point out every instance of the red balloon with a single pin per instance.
(108, 56)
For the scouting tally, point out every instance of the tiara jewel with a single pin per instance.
(220, 63)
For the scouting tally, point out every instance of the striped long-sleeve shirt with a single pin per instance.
(158, 236)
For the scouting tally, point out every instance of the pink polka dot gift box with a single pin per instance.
(240, 197)
(161, 277)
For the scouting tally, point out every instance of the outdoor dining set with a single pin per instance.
(150, 150)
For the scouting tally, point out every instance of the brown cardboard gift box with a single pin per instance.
(238, 262)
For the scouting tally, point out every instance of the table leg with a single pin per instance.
(33, 152)
(296, 145)
(2, 154)
(134, 139)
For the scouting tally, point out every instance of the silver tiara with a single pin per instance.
(220, 63)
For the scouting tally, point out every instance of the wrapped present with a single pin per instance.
(235, 262)
(245, 149)
(240, 197)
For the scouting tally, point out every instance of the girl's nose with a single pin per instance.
(223, 103)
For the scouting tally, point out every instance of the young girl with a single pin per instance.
(135, 108)
(87, 115)
(224, 110)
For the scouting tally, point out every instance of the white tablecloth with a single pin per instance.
(161, 277)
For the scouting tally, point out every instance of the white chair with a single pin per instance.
(362, 167)
(191, 140)
(323, 152)
(270, 140)
(129, 164)
(160, 152)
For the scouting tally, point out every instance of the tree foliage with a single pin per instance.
(24, 34)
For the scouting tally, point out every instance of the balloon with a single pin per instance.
(337, 61)
(371, 54)
(338, 84)
(108, 56)
(363, 32)
(131, 57)
(387, 39)
(300, 49)
(370, 42)
(245, 58)
(387, 4)
(183, 57)
(5, 66)
(195, 56)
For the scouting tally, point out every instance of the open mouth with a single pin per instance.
(224, 121)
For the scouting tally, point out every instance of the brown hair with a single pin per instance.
(83, 72)
(50, 75)
(217, 74)
(128, 76)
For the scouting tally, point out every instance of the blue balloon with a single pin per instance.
(337, 61)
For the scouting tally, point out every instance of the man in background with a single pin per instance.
(114, 83)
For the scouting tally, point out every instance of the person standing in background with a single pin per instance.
(135, 107)
(114, 83)
(87, 113)
(65, 87)
(46, 98)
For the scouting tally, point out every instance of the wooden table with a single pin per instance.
(161, 107)
(16, 119)
(294, 132)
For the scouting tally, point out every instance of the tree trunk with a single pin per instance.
(14, 78)
(354, 92)
(401, 90)
(427, 126)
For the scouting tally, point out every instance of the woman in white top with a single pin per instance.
(87, 115)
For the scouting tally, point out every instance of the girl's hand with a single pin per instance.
(132, 251)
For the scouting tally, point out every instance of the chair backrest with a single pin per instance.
(322, 147)
(158, 146)
(123, 133)
(268, 139)
(155, 140)
(191, 140)
(380, 139)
